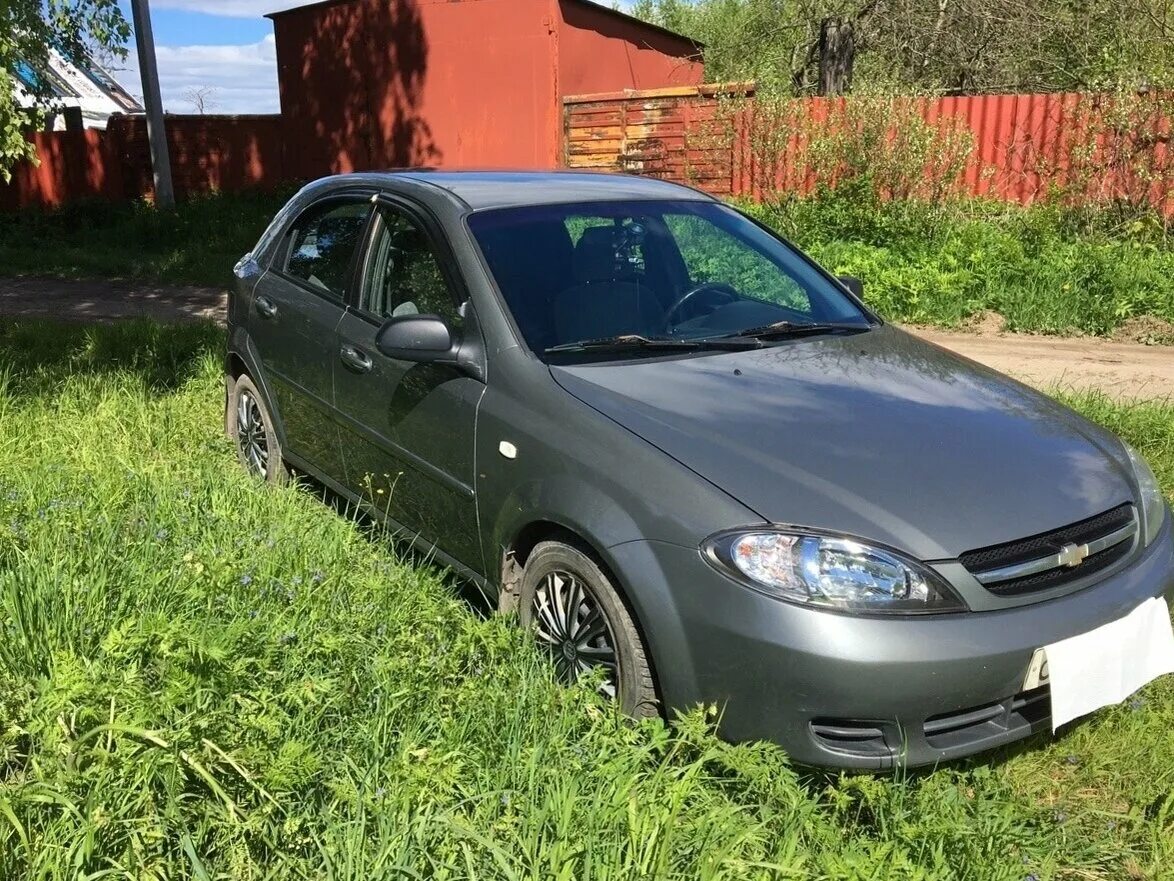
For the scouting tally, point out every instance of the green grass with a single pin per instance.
(1043, 269)
(201, 677)
(196, 244)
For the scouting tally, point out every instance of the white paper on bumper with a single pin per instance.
(1107, 665)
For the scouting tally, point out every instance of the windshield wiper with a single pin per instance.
(628, 341)
(779, 329)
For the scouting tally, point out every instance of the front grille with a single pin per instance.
(981, 563)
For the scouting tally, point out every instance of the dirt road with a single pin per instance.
(69, 300)
(1120, 369)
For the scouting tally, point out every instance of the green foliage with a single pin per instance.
(913, 46)
(1044, 269)
(1048, 269)
(29, 31)
(874, 142)
(203, 677)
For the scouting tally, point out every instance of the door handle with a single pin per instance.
(356, 359)
(266, 308)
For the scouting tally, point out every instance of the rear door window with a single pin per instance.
(322, 244)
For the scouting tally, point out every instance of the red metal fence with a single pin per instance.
(717, 137)
(207, 152)
(1015, 147)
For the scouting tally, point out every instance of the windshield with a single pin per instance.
(651, 271)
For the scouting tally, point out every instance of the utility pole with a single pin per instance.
(156, 128)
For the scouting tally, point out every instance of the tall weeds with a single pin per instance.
(202, 677)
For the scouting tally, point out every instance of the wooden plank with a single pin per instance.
(593, 162)
(709, 89)
(602, 133)
(587, 149)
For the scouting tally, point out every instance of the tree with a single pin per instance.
(202, 98)
(828, 47)
(30, 31)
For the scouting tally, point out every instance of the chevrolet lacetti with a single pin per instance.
(684, 453)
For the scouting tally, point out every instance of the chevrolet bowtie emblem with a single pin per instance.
(1073, 555)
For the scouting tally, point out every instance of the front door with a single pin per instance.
(297, 306)
(407, 427)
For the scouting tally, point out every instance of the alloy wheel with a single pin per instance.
(571, 625)
(251, 434)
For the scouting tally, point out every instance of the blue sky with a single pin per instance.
(222, 46)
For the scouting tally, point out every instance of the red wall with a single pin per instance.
(394, 83)
(73, 165)
(207, 153)
(490, 96)
(455, 83)
(602, 52)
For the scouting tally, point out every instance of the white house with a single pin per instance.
(90, 88)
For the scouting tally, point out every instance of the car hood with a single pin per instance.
(879, 435)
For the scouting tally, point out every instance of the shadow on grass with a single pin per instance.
(37, 355)
(401, 545)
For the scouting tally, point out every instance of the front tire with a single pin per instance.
(580, 619)
(250, 425)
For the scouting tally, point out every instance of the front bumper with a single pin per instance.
(859, 692)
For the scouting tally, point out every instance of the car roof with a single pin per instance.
(506, 189)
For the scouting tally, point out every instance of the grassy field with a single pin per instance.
(198, 243)
(201, 677)
(1042, 269)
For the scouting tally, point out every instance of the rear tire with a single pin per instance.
(579, 617)
(250, 425)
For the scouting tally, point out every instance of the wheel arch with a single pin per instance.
(529, 535)
(242, 359)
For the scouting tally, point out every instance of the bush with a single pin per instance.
(1044, 269)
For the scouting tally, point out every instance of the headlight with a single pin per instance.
(1153, 506)
(833, 572)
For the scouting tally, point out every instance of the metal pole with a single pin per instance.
(156, 128)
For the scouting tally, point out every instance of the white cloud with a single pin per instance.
(243, 78)
(234, 8)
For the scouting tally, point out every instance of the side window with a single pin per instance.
(322, 242)
(403, 274)
(713, 255)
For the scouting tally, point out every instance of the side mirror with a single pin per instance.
(421, 338)
(855, 285)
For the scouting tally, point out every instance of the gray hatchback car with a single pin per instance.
(683, 452)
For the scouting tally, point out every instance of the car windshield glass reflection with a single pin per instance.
(663, 272)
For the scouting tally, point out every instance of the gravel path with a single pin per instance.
(1119, 369)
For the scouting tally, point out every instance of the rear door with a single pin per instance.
(296, 310)
(408, 427)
